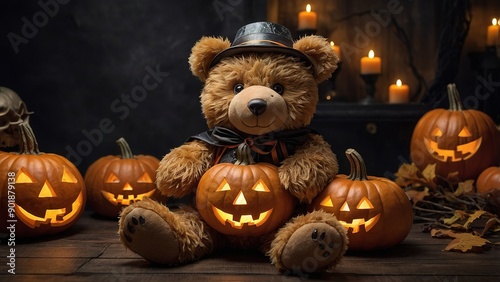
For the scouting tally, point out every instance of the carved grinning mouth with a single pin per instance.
(462, 152)
(356, 223)
(246, 219)
(120, 199)
(56, 217)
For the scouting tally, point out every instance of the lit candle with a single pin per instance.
(399, 93)
(370, 64)
(308, 19)
(335, 48)
(492, 39)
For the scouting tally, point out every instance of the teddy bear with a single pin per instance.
(261, 90)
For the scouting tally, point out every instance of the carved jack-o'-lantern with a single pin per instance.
(375, 211)
(456, 140)
(114, 182)
(13, 111)
(44, 192)
(245, 198)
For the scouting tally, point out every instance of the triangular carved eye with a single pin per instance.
(224, 186)
(145, 178)
(47, 191)
(345, 207)
(112, 178)
(24, 177)
(437, 132)
(327, 202)
(68, 177)
(260, 186)
(365, 204)
(464, 132)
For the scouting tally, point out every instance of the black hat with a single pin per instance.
(262, 37)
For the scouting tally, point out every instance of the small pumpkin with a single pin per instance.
(244, 198)
(375, 211)
(488, 180)
(114, 182)
(458, 141)
(45, 192)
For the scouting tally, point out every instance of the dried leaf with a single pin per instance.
(472, 217)
(466, 243)
(465, 188)
(406, 174)
(417, 196)
(459, 215)
(492, 223)
(453, 178)
(429, 172)
(442, 233)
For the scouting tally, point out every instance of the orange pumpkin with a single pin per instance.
(488, 180)
(244, 198)
(42, 193)
(375, 211)
(456, 140)
(114, 182)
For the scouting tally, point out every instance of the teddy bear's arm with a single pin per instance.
(309, 170)
(182, 168)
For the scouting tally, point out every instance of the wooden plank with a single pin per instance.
(45, 266)
(47, 251)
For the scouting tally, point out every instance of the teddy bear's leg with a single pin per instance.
(309, 243)
(161, 236)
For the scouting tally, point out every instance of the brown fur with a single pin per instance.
(304, 174)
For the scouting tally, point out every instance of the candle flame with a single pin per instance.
(308, 8)
(331, 43)
(371, 54)
(494, 21)
(399, 83)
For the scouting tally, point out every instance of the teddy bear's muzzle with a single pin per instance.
(258, 110)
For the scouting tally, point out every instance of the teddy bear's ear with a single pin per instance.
(203, 52)
(319, 50)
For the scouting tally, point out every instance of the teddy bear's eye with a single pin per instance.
(238, 88)
(278, 88)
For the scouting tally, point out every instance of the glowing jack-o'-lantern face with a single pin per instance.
(461, 143)
(128, 195)
(355, 223)
(460, 152)
(61, 211)
(114, 182)
(375, 211)
(243, 199)
(246, 215)
(45, 192)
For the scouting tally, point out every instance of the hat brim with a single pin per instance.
(240, 49)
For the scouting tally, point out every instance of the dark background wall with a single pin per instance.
(75, 63)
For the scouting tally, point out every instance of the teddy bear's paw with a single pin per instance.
(146, 233)
(313, 247)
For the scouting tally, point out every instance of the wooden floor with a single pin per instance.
(91, 251)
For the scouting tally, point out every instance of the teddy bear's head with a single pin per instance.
(262, 82)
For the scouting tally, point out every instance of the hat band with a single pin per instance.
(263, 38)
(257, 41)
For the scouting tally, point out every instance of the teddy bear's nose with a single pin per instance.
(257, 106)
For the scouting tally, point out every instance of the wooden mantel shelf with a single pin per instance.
(374, 112)
(381, 133)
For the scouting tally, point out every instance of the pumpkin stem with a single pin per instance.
(454, 98)
(358, 168)
(244, 155)
(126, 152)
(28, 144)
